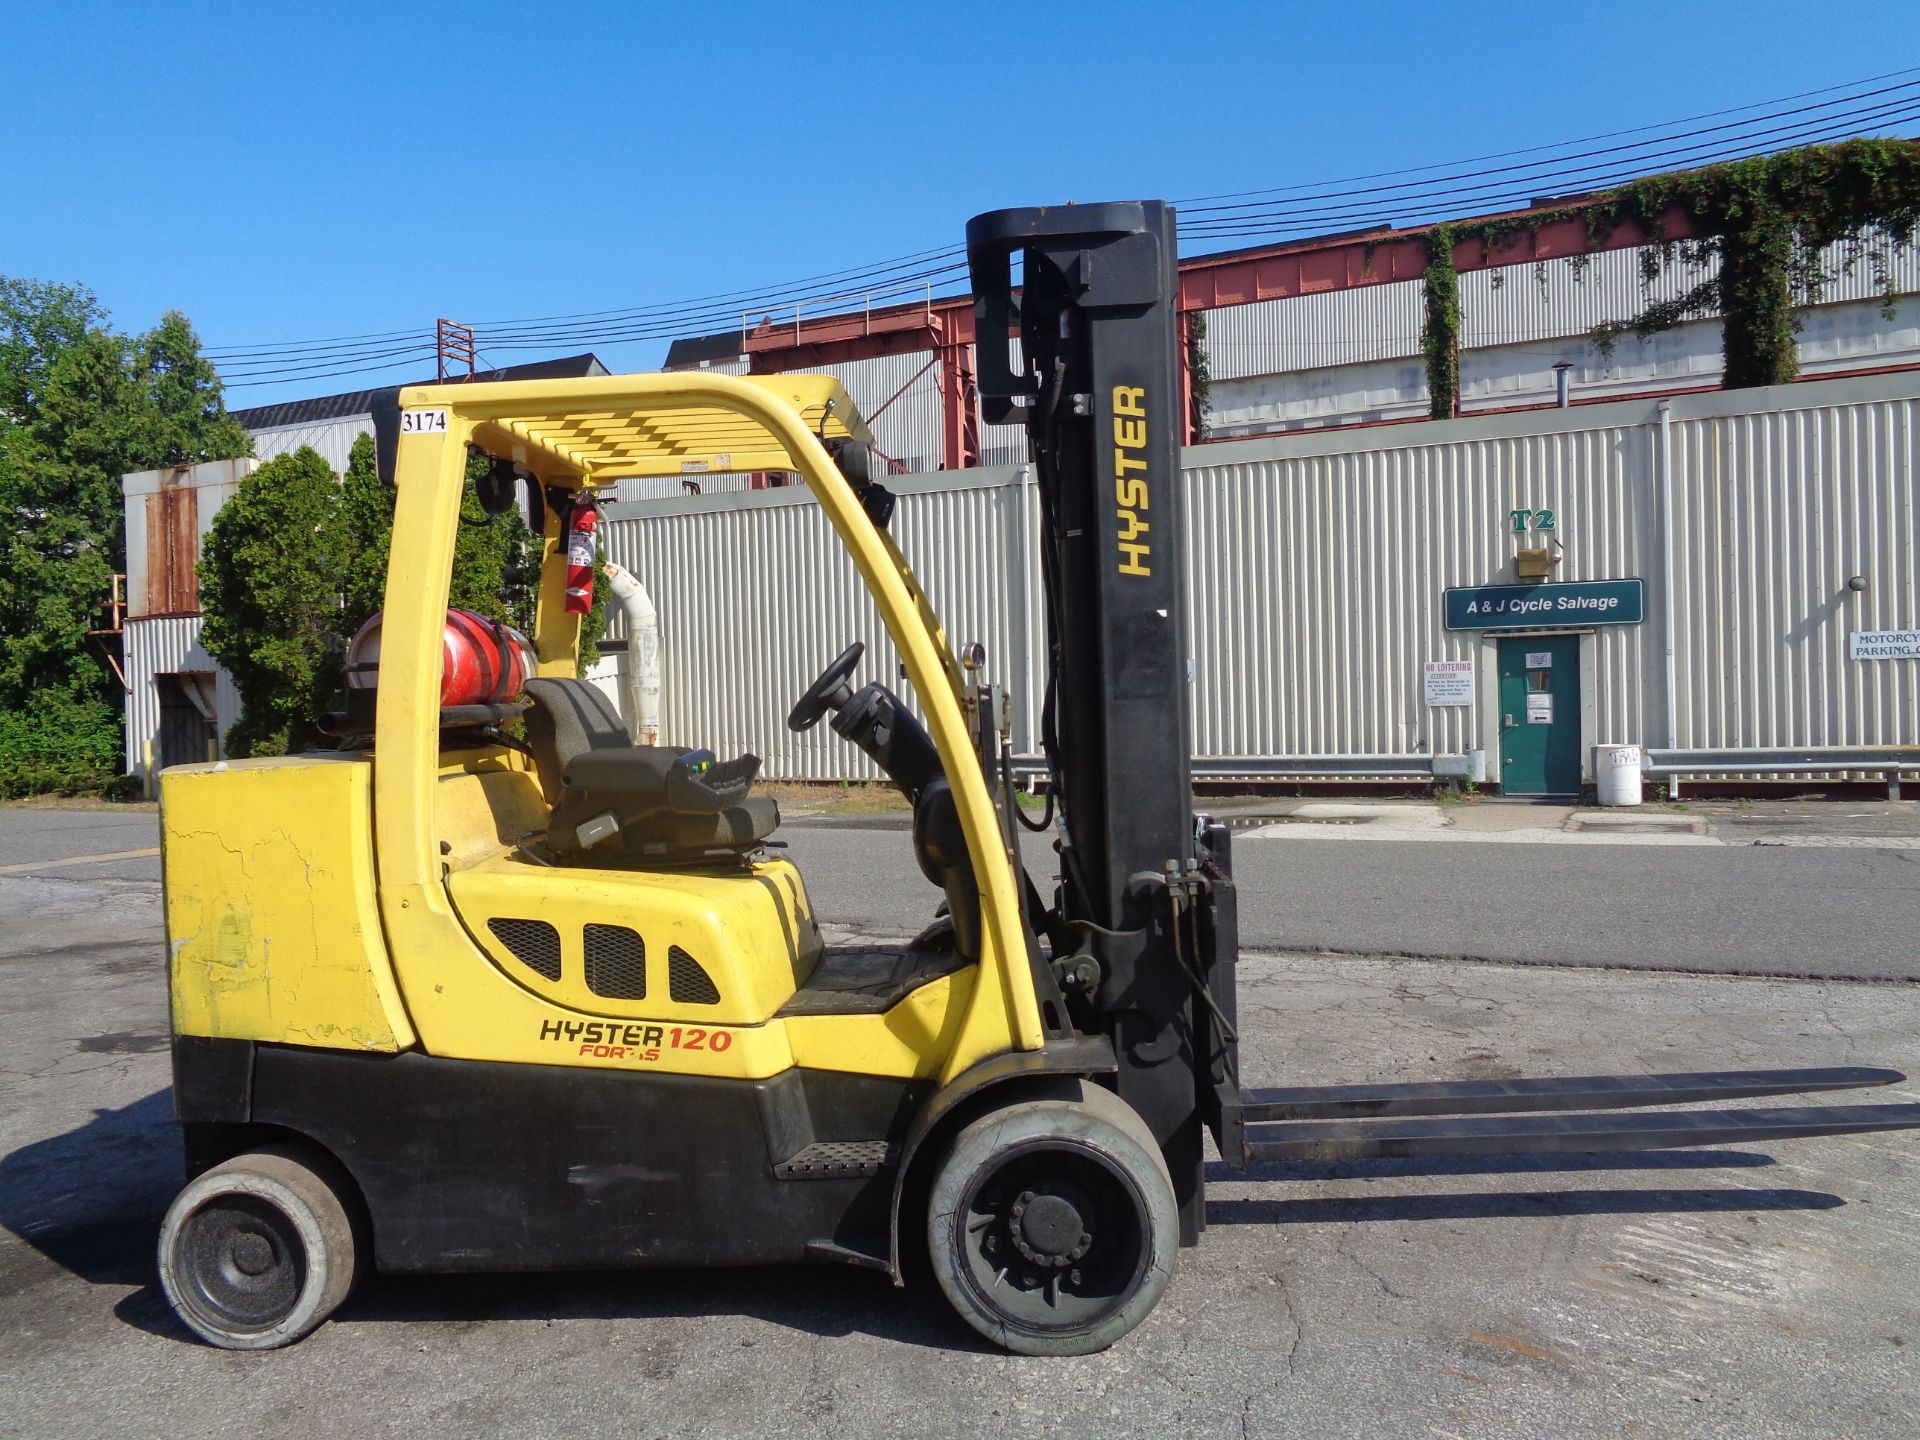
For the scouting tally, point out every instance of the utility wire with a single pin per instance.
(1904, 94)
(1561, 144)
(1309, 209)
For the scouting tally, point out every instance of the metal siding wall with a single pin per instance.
(1313, 360)
(1316, 584)
(1004, 444)
(1773, 511)
(332, 438)
(755, 599)
(910, 430)
(1511, 304)
(670, 487)
(1312, 332)
(163, 646)
(1315, 570)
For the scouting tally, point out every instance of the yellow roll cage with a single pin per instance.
(577, 433)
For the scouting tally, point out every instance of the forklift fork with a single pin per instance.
(1530, 1116)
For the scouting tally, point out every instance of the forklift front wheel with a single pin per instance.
(258, 1251)
(1051, 1224)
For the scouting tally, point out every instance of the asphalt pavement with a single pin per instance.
(1517, 895)
(1823, 890)
(1750, 1291)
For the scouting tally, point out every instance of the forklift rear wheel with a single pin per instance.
(1051, 1224)
(258, 1251)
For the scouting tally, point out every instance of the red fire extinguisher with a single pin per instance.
(582, 523)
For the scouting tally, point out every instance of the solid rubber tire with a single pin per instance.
(313, 1196)
(1096, 1118)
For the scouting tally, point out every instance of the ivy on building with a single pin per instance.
(1440, 330)
(1199, 374)
(1761, 226)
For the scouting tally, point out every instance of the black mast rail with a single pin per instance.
(1098, 390)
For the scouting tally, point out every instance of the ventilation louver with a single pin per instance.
(616, 962)
(534, 943)
(687, 980)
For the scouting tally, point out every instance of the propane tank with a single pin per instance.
(583, 522)
(483, 662)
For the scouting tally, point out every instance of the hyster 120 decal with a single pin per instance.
(1130, 493)
(619, 1040)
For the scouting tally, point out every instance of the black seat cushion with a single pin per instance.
(734, 828)
(568, 719)
(589, 769)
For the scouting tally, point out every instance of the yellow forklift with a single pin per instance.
(490, 987)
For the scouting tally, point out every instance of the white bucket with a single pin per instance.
(1616, 770)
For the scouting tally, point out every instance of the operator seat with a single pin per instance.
(594, 774)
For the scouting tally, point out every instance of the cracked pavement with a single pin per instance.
(1749, 1291)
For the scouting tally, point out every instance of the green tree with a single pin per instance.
(496, 564)
(270, 583)
(366, 537)
(80, 405)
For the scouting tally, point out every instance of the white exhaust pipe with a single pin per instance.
(640, 673)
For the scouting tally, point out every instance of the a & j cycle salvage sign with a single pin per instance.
(1539, 607)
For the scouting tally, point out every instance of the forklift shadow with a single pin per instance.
(830, 1301)
(1568, 1162)
(91, 1200)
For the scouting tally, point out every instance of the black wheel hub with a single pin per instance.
(1047, 1227)
(240, 1263)
(1054, 1237)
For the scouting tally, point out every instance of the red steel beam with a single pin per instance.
(1309, 267)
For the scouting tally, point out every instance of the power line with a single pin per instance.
(1909, 89)
(1309, 209)
(1586, 178)
(1562, 144)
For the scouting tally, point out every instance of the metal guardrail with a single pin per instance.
(1303, 767)
(1887, 760)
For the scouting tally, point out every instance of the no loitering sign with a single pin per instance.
(1447, 682)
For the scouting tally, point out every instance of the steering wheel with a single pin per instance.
(829, 692)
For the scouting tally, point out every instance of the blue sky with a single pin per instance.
(289, 172)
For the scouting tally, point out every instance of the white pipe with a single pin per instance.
(640, 674)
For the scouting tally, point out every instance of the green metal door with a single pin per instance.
(1540, 715)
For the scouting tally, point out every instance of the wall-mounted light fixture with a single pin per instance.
(1857, 583)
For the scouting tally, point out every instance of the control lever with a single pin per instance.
(697, 784)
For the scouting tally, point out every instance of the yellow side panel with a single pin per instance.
(272, 928)
(909, 1041)
(749, 929)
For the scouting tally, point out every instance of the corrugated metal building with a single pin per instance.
(1352, 356)
(1318, 566)
(179, 702)
(331, 423)
(1343, 354)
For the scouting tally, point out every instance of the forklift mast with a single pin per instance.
(1143, 891)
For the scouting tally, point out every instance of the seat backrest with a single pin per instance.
(567, 719)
